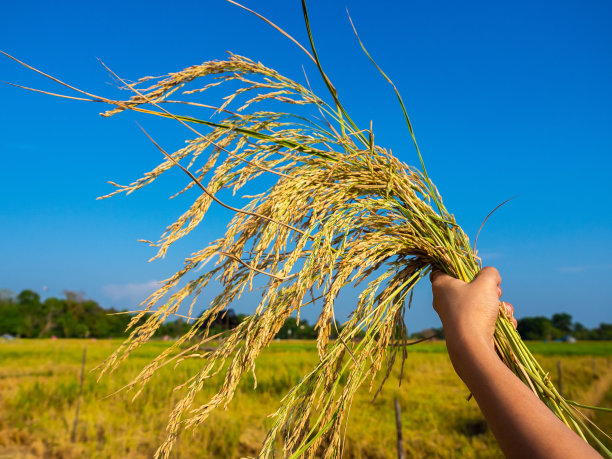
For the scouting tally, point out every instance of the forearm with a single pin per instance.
(522, 424)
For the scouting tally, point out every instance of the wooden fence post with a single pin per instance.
(398, 425)
(78, 403)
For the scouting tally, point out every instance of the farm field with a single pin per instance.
(39, 390)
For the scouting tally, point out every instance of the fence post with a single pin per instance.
(78, 403)
(398, 425)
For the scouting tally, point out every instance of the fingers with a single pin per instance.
(509, 310)
(488, 274)
(435, 274)
(438, 278)
(441, 282)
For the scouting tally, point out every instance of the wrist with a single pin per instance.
(469, 351)
(468, 339)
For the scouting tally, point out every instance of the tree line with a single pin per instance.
(559, 326)
(26, 316)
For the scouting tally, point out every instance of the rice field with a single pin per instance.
(40, 384)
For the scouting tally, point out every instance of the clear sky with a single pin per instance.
(506, 98)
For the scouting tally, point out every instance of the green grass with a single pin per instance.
(39, 387)
(600, 348)
(604, 420)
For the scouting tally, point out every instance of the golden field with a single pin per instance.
(39, 390)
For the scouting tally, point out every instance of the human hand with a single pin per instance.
(468, 311)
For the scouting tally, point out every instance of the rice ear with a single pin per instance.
(341, 212)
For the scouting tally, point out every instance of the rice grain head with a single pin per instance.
(342, 213)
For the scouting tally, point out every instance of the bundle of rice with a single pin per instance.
(342, 212)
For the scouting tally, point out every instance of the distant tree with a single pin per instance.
(440, 333)
(537, 328)
(74, 297)
(6, 294)
(173, 328)
(291, 329)
(12, 322)
(605, 332)
(562, 322)
(227, 320)
(28, 297)
(75, 316)
(579, 331)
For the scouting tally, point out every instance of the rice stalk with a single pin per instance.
(342, 212)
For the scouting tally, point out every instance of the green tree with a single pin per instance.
(291, 329)
(28, 297)
(562, 322)
(604, 332)
(537, 328)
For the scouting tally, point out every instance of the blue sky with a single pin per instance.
(506, 99)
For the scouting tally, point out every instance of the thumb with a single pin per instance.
(439, 279)
(488, 276)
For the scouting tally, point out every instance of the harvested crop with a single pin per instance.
(340, 212)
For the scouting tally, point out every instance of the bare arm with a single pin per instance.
(522, 424)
